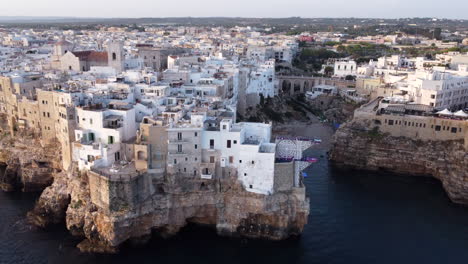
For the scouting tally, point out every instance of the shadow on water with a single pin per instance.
(356, 217)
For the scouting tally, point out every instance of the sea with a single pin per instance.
(356, 217)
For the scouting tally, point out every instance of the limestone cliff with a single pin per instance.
(223, 204)
(30, 164)
(355, 145)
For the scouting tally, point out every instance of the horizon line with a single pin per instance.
(228, 17)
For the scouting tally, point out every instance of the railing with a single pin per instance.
(113, 126)
(207, 176)
(178, 140)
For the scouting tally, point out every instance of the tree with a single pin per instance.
(328, 70)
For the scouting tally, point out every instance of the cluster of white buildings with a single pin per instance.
(440, 83)
(162, 102)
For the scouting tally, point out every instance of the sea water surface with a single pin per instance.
(356, 217)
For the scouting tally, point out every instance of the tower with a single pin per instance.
(115, 55)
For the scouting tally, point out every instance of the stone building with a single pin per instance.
(60, 48)
(418, 122)
(116, 55)
(184, 156)
(83, 60)
(151, 147)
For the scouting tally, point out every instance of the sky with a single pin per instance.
(457, 9)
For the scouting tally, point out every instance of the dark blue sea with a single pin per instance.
(356, 217)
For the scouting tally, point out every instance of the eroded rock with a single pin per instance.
(355, 147)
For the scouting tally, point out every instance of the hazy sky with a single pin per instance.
(242, 8)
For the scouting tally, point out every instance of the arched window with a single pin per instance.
(114, 56)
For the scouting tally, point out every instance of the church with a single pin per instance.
(66, 58)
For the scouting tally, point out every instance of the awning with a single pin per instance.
(445, 112)
(461, 113)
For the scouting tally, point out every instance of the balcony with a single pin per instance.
(206, 176)
(176, 152)
(113, 122)
(177, 140)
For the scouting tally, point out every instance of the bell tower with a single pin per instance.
(115, 55)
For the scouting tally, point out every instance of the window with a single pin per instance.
(224, 127)
(253, 162)
(245, 174)
(196, 134)
(91, 121)
(179, 136)
(240, 161)
(211, 143)
(228, 144)
(235, 142)
(196, 146)
(437, 128)
(432, 96)
(250, 186)
(390, 122)
(117, 155)
(175, 161)
(110, 140)
(453, 130)
(212, 159)
(179, 148)
(114, 56)
(231, 159)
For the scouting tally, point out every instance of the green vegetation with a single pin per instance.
(374, 133)
(365, 51)
(267, 109)
(331, 43)
(312, 59)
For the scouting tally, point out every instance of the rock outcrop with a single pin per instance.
(30, 164)
(356, 146)
(224, 205)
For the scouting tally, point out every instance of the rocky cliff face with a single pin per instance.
(356, 146)
(221, 204)
(30, 164)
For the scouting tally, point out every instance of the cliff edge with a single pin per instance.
(30, 165)
(357, 146)
(223, 204)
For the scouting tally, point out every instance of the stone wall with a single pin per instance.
(415, 127)
(119, 194)
(284, 176)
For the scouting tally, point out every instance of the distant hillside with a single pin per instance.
(228, 21)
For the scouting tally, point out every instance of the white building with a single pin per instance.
(247, 147)
(438, 89)
(100, 134)
(344, 68)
